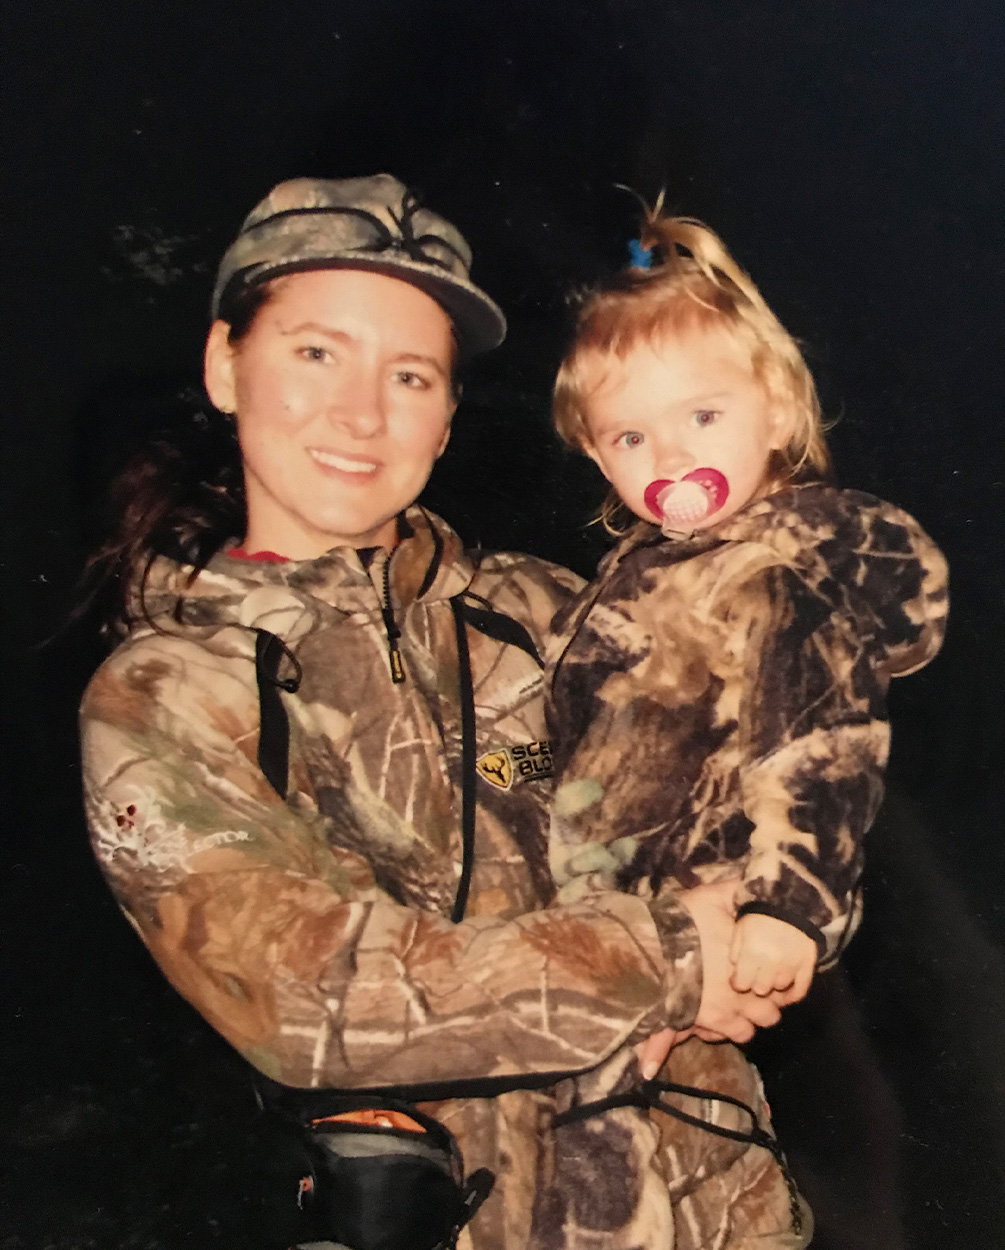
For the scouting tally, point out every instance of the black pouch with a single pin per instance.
(367, 1187)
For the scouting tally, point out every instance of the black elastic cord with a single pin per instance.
(646, 1096)
(468, 772)
(406, 240)
(273, 723)
(498, 626)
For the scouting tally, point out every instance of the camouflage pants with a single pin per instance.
(629, 1179)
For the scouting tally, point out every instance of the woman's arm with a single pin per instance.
(293, 951)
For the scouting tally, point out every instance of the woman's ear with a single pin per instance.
(446, 436)
(219, 373)
(455, 399)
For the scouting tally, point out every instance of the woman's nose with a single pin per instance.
(358, 404)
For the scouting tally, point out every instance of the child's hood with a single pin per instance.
(870, 560)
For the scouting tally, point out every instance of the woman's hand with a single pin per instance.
(724, 1014)
(652, 1053)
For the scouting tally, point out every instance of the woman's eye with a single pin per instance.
(414, 381)
(316, 354)
(632, 439)
(705, 416)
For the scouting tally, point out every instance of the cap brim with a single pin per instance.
(478, 321)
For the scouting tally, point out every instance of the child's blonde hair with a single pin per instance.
(693, 284)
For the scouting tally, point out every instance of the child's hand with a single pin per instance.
(769, 954)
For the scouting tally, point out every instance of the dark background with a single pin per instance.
(851, 154)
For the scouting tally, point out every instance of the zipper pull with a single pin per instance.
(391, 629)
(393, 650)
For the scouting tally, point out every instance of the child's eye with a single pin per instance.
(705, 416)
(631, 438)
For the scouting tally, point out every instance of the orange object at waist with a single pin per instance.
(373, 1118)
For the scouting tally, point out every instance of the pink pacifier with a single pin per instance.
(682, 504)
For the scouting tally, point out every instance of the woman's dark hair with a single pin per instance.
(182, 496)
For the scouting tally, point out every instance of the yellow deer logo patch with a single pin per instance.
(496, 768)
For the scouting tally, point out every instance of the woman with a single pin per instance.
(316, 770)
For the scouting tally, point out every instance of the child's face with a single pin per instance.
(674, 409)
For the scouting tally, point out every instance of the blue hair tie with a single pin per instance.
(640, 257)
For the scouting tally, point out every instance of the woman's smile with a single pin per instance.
(342, 464)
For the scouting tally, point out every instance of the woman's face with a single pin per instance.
(342, 395)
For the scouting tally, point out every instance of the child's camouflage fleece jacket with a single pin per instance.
(718, 703)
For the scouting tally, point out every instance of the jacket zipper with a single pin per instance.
(391, 628)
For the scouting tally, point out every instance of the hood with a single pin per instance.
(289, 598)
(872, 562)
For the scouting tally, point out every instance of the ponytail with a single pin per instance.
(683, 245)
(181, 496)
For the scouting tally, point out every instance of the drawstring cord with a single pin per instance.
(273, 723)
(646, 1096)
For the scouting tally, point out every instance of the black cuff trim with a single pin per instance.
(779, 913)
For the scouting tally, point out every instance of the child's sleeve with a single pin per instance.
(815, 738)
(820, 641)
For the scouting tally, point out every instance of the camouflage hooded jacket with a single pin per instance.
(314, 930)
(719, 702)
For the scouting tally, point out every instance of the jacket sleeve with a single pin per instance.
(292, 950)
(814, 739)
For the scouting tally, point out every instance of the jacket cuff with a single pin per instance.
(681, 945)
(787, 917)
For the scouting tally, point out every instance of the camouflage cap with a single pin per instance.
(360, 223)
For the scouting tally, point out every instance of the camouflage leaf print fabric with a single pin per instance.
(719, 703)
(313, 933)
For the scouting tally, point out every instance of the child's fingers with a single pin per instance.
(771, 976)
(744, 972)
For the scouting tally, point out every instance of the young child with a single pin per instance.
(719, 691)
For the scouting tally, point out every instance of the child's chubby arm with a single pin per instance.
(770, 955)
